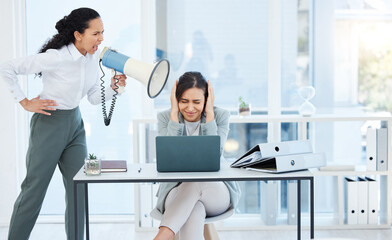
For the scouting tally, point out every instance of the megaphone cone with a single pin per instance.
(153, 76)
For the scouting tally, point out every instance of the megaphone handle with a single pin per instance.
(119, 89)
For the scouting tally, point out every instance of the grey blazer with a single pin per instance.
(220, 126)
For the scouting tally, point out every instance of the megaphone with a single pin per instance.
(153, 76)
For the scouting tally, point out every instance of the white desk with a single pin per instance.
(143, 173)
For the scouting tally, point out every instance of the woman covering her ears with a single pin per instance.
(185, 205)
(68, 66)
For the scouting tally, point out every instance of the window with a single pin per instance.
(224, 40)
(227, 41)
(363, 54)
(362, 58)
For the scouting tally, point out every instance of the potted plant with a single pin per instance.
(92, 165)
(244, 107)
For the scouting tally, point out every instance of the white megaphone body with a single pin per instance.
(153, 76)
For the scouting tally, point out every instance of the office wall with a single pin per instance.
(8, 121)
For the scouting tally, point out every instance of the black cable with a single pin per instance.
(107, 118)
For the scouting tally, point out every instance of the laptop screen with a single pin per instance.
(188, 153)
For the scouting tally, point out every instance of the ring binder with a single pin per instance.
(281, 157)
(373, 187)
(351, 203)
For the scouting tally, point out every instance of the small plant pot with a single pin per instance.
(92, 166)
(244, 111)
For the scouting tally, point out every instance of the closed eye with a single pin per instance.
(96, 33)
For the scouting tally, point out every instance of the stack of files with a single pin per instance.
(268, 202)
(361, 200)
(281, 157)
(377, 149)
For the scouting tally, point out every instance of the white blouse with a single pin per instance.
(67, 76)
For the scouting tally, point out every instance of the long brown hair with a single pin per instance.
(77, 20)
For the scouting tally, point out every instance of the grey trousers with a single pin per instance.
(188, 204)
(60, 140)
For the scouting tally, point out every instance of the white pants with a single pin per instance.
(188, 204)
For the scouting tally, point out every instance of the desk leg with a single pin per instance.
(76, 210)
(298, 209)
(312, 208)
(86, 207)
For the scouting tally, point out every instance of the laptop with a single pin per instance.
(188, 153)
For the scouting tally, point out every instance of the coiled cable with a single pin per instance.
(107, 118)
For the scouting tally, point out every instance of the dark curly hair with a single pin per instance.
(190, 80)
(77, 20)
